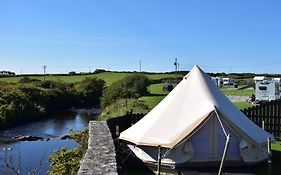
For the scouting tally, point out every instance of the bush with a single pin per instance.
(123, 106)
(132, 86)
(90, 90)
(27, 80)
(66, 162)
(20, 103)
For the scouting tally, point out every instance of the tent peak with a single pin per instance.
(195, 68)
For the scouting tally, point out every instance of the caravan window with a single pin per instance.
(262, 88)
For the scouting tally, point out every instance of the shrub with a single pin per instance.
(20, 104)
(132, 86)
(90, 90)
(123, 106)
(27, 80)
(66, 162)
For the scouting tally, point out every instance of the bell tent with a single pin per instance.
(191, 124)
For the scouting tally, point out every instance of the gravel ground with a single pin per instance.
(235, 99)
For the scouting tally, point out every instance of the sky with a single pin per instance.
(82, 35)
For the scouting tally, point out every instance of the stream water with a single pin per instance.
(28, 157)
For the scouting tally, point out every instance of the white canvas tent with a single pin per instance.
(191, 124)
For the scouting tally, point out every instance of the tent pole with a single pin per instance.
(269, 155)
(159, 161)
(224, 153)
(269, 149)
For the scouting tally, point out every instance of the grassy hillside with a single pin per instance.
(108, 77)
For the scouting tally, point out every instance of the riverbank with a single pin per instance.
(27, 155)
(30, 100)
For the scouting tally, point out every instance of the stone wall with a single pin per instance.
(100, 157)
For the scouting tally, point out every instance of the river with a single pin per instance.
(28, 157)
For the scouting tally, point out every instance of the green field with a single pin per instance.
(245, 92)
(243, 105)
(108, 77)
(156, 95)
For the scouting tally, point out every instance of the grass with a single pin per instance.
(243, 105)
(234, 92)
(158, 76)
(121, 107)
(108, 77)
(156, 95)
(245, 92)
(157, 89)
(151, 101)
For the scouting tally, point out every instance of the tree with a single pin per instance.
(90, 90)
(132, 86)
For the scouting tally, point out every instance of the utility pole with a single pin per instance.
(140, 65)
(44, 67)
(176, 65)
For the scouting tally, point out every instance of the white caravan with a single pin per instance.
(267, 88)
(228, 81)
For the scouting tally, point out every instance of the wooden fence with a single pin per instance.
(266, 115)
(119, 124)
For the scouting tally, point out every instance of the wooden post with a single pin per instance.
(263, 124)
(159, 160)
(224, 153)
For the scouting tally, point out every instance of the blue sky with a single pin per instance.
(68, 35)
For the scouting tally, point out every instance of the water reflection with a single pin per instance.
(28, 156)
